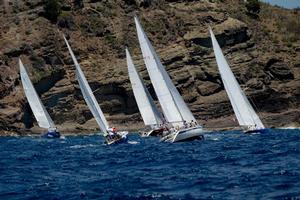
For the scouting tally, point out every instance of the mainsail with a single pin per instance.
(148, 110)
(40, 113)
(242, 108)
(173, 106)
(88, 94)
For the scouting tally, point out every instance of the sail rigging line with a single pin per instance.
(245, 98)
(88, 95)
(241, 105)
(256, 108)
(229, 92)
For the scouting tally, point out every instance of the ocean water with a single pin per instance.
(227, 165)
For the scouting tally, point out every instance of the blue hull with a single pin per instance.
(52, 134)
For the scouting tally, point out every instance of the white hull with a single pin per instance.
(184, 134)
(119, 139)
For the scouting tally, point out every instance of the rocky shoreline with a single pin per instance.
(215, 125)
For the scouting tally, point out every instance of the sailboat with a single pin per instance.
(149, 112)
(244, 112)
(182, 123)
(110, 134)
(39, 111)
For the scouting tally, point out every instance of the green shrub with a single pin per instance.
(52, 9)
(253, 6)
(78, 4)
(65, 20)
(94, 26)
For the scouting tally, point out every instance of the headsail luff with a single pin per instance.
(242, 108)
(88, 94)
(174, 108)
(40, 113)
(146, 105)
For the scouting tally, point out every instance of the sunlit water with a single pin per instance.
(228, 165)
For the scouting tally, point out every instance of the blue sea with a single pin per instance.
(226, 165)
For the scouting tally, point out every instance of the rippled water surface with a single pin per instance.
(227, 165)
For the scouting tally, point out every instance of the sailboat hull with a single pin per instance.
(188, 134)
(52, 134)
(117, 140)
(263, 130)
(153, 132)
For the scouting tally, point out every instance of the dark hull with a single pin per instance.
(51, 134)
(200, 137)
(153, 133)
(156, 132)
(256, 131)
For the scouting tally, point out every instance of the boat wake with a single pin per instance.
(81, 146)
(212, 137)
(133, 142)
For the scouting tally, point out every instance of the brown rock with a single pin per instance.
(279, 69)
(208, 88)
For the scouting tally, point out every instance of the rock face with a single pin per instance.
(98, 32)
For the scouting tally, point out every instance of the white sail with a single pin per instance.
(242, 108)
(88, 94)
(40, 113)
(174, 108)
(147, 108)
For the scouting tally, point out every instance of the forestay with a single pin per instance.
(174, 108)
(88, 94)
(242, 108)
(40, 113)
(146, 105)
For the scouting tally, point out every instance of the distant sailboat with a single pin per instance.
(110, 134)
(177, 114)
(243, 110)
(40, 113)
(146, 105)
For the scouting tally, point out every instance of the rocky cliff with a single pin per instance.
(262, 50)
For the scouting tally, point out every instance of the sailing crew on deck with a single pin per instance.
(185, 124)
(112, 132)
